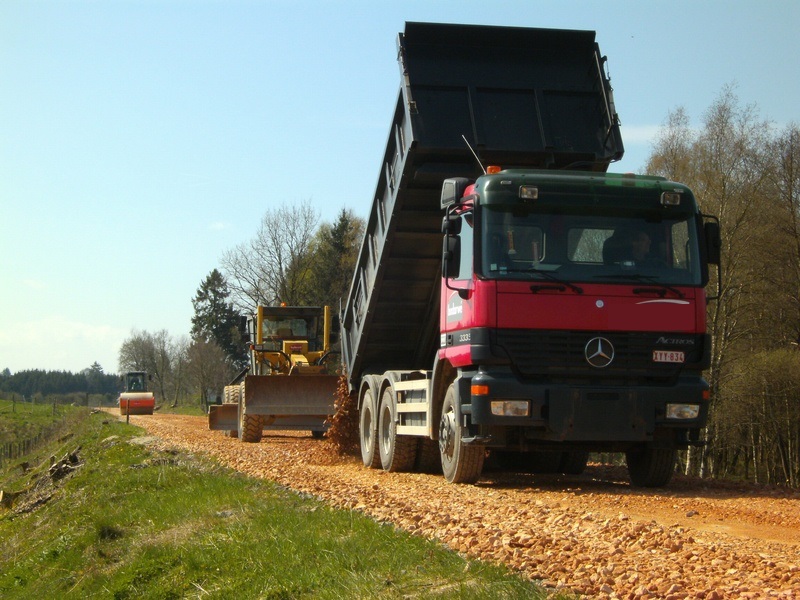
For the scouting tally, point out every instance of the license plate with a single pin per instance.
(668, 356)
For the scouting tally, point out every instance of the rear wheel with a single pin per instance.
(651, 467)
(231, 396)
(368, 431)
(397, 452)
(460, 463)
(545, 462)
(573, 462)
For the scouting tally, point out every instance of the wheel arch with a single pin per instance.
(444, 374)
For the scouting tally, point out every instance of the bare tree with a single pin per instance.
(159, 355)
(274, 266)
(672, 152)
(208, 369)
(726, 163)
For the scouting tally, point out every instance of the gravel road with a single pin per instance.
(592, 534)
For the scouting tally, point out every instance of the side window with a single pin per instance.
(680, 245)
(465, 266)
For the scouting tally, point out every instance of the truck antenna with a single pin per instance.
(475, 154)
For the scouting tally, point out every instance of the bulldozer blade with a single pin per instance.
(291, 402)
(223, 417)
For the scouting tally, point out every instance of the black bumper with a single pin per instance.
(585, 412)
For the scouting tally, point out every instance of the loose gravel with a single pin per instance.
(591, 534)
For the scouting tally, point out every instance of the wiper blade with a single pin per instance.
(651, 280)
(562, 285)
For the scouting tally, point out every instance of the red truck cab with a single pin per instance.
(573, 305)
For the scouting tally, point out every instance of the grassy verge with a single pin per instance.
(23, 420)
(131, 521)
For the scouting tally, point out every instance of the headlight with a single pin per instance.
(683, 411)
(510, 408)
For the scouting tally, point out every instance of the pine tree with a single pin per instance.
(215, 318)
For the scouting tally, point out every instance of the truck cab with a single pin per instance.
(574, 312)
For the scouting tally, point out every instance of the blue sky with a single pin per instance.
(141, 139)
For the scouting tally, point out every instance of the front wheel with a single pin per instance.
(651, 467)
(460, 463)
(250, 427)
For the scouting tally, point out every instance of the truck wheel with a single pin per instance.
(368, 432)
(651, 467)
(573, 462)
(460, 463)
(397, 452)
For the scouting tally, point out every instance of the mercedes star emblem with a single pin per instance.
(599, 352)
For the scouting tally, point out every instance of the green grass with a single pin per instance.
(24, 420)
(134, 522)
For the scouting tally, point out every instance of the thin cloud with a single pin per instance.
(640, 134)
(57, 343)
(34, 284)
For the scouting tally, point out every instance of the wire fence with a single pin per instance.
(17, 449)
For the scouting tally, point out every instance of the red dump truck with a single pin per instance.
(511, 299)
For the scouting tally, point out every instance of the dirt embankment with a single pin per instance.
(592, 534)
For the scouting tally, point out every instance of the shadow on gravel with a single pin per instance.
(606, 479)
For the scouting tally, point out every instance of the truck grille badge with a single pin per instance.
(599, 352)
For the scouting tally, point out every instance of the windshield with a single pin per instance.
(621, 245)
(288, 327)
(135, 382)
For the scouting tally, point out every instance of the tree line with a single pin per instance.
(746, 171)
(34, 384)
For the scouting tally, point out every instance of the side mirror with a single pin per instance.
(453, 190)
(713, 242)
(451, 256)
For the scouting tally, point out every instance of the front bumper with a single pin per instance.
(584, 412)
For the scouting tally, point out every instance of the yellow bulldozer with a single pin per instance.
(287, 385)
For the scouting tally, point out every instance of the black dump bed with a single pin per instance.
(535, 98)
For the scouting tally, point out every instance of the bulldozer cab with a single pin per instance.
(287, 385)
(290, 339)
(278, 324)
